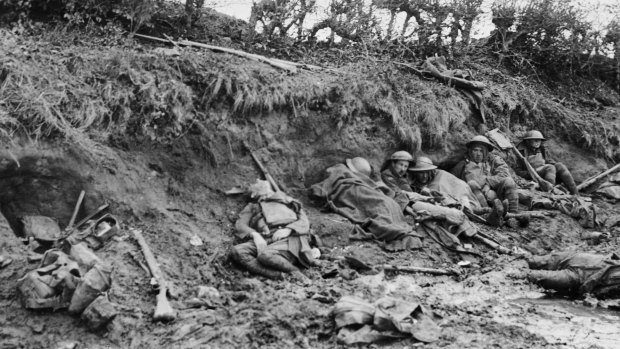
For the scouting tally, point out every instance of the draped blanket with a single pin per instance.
(356, 197)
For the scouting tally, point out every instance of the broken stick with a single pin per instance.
(76, 209)
(492, 244)
(163, 310)
(410, 269)
(588, 182)
(528, 214)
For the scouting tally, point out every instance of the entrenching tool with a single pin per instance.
(504, 143)
(163, 309)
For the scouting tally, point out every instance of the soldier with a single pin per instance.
(574, 273)
(280, 219)
(489, 177)
(534, 151)
(394, 171)
(425, 177)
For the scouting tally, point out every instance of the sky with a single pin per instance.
(599, 15)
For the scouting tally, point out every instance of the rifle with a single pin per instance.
(593, 179)
(504, 143)
(262, 168)
(163, 309)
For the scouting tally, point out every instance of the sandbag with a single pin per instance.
(405, 317)
(353, 310)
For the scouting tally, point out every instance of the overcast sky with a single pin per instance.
(241, 9)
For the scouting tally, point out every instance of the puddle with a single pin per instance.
(562, 321)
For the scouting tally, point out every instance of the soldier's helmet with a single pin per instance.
(481, 140)
(422, 163)
(535, 135)
(401, 155)
(360, 165)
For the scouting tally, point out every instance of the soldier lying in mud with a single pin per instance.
(375, 209)
(281, 220)
(575, 274)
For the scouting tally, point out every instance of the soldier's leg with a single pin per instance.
(245, 255)
(281, 260)
(564, 175)
(278, 260)
(547, 172)
(475, 187)
(564, 281)
(507, 190)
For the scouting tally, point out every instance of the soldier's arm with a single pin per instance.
(390, 181)
(242, 225)
(499, 168)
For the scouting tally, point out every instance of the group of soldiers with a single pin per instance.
(485, 173)
(280, 241)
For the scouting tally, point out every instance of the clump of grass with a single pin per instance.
(86, 95)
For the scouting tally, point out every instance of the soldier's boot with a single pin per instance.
(245, 255)
(512, 206)
(496, 218)
(567, 178)
(564, 281)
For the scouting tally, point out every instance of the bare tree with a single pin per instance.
(280, 16)
(349, 19)
(192, 11)
(613, 37)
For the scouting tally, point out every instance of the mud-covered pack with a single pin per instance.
(583, 211)
(52, 284)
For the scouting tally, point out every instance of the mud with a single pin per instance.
(173, 193)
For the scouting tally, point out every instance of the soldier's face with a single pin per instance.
(476, 153)
(423, 177)
(400, 167)
(535, 143)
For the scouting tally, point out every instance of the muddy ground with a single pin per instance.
(173, 195)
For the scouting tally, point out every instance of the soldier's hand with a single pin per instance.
(281, 234)
(546, 186)
(259, 241)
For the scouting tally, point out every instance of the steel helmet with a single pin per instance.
(422, 163)
(481, 139)
(534, 134)
(401, 155)
(359, 165)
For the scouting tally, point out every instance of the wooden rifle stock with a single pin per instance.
(163, 309)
